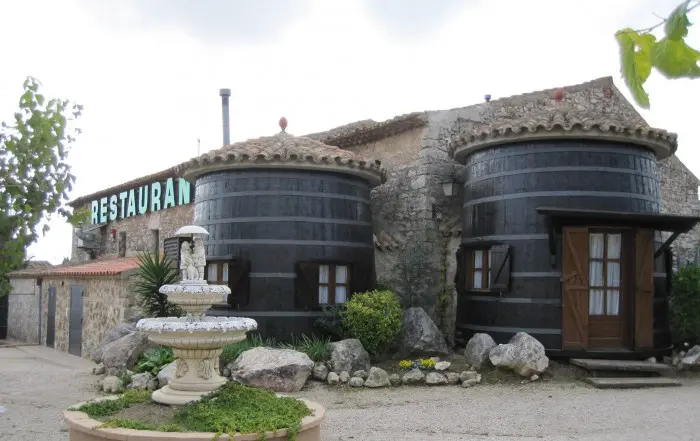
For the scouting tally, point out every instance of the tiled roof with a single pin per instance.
(33, 268)
(365, 131)
(284, 151)
(107, 267)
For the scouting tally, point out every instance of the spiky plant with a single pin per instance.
(155, 271)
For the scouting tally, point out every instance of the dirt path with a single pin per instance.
(36, 383)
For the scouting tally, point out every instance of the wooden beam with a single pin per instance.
(666, 244)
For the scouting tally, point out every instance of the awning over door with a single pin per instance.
(559, 217)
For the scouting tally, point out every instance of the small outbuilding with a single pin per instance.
(290, 227)
(562, 233)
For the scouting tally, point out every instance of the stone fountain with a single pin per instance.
(197, 340)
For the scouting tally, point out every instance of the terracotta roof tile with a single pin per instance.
(33, 269)
(284, 151)
(365, 131)
(107, 267)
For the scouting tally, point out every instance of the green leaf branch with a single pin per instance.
(671, 56)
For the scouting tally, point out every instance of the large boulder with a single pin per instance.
(122, 354)
(420, 335)
(166, 374)
(279, 370)
(349, 356)
(523, 354)
(114, 333)
(478, 348)
(377, 378)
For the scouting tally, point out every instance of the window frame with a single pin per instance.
(219, 272)
(485, 269)
(331, 284)
(607, 232)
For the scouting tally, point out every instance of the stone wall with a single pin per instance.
(23, 310)
(107, 301)
(139, 232)
(679, 196)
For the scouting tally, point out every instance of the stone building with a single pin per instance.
(417, 213)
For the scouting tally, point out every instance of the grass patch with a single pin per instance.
(234, 408)
(232, 351)
(318, 349)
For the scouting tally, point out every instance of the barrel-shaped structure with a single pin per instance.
(556, 161)
(282, 212)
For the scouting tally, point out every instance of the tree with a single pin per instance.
(34, 176)
(640, 51)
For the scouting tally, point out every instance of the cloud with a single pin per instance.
(214, 22)
(413, 19)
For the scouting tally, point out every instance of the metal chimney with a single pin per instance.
(225, 93)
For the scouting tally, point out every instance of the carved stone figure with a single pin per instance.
(199, 257)
(187, 267)
(180, 368)
(206, 368)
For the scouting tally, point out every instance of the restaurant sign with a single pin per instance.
(138, 201)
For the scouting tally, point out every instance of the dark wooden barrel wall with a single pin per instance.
(274, 219)
(504, 186)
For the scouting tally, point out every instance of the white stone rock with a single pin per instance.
(468, 375)
(377, 378)
(166, 374)
(452, 377)
(356, 382)
(122, 354)
(478, 348)
(361, 373)
(421, 335)
(333, 378)
(140, 381)
(320, 372)
(99, 369)
(348, 355)
(535, 377)
(435, 379)
(469, 383)
(442, 366)
(395, 380)
(414, 376)
(523, 354)
(279, 370)
(344, 377)
(112, 385)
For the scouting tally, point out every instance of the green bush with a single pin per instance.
(232, 351)
(685, 304)
(152, 360)
(318, 349)
(155, 271)
(375, 318)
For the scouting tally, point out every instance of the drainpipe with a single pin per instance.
(225, 93)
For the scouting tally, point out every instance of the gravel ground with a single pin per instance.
(36, 383)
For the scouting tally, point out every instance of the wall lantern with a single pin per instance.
(449, 188)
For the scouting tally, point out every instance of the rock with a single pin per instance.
(535, 377)
(452, 377)
(651, 360)
(435, 379)
(140, 381)
(469, 383)
(395, 380)
(320, 372)
(414, 376)
(523, 354)
(153, 383)
(356, 382)
(114, 333)
(468, 375)
(344, 377)
(361, 373)
(112, 384)
(348, 355)
(478, 348)
(99, 369)
(377, 378)
(333, 378)
(442, 366)
(279, 370)
(691, 358)
(122, 354)
(225, 372)
(166, 374)
(420, 335)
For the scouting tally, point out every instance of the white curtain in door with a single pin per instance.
(596, 297)
(341, 281)
(613, 274)
(323, 279)
(478, 268)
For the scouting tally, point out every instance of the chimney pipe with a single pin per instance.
(225, 93)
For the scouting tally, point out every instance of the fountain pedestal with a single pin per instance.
(197, 340)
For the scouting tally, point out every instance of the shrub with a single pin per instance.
(155, 271)
(374, 318)
(685, 304)
(331, 321)
(232, 351)
(152, 360)
(318, 349)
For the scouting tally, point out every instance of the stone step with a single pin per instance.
(631, 383)
(599, 368)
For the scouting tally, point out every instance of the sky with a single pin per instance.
(148, 72)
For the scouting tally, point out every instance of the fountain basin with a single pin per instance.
(83, 428)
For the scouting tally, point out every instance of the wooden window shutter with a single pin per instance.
(239, 282)
(306, 295)
(574, 288)
(469, 269)
(500, 268)
(361, 277)
(644, 289)
(462, 269)
(171, 249)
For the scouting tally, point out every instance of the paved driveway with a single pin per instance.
(36, 383)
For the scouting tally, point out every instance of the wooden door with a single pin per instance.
(75, 323)
(51, 318)
(575, 288)
(607, 289)
(644, 289)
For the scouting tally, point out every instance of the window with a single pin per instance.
(332, 284)
(217, 273)
(605, 252)
(481, 269)
(121, 245)
(155, 241)
(485, 269)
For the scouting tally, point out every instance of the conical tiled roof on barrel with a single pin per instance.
(287, 152)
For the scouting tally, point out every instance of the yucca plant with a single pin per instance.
(155, 271)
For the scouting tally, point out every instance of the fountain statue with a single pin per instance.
(197, 340)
